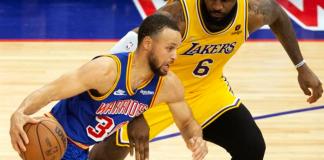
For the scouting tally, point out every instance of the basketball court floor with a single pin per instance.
(261, 74)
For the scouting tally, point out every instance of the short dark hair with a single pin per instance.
(154, 24)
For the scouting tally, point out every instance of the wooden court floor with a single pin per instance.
(261, 74)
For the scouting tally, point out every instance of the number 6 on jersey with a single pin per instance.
(202, 69)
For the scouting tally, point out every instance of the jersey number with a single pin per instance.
(102, 129)
(202, 68)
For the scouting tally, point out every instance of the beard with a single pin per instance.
(153, 62)
(221, 23)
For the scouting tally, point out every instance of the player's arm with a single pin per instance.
(138, 133)
(96, 74)
(172, 92)
(92, 75)
(268, 12)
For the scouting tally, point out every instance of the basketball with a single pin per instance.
(47, 140)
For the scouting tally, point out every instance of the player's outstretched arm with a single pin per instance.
(268, 12)
(172, 93)
(92, 75)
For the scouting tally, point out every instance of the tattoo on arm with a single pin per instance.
(264, 10)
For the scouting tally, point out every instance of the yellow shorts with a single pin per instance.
(206, 106)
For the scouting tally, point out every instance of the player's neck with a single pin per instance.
(140, 70)
(217, 25)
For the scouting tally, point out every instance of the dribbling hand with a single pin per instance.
(18, 136)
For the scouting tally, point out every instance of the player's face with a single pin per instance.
(219, 9)
(163, 51)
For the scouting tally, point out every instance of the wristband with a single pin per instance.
(301, 63)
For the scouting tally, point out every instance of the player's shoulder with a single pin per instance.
(105, 61)
(171, 8)
(104, 65)
(101, 73)
(261, 5)
(258, 13)
(172, 3)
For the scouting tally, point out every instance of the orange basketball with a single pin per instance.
(47, 140)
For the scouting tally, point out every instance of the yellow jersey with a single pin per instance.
(203, 54)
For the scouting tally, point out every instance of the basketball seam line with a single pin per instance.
(39, 141)
(55, 137)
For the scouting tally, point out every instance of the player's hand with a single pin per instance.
(18, 136)
(309, 83)
(198, 147)
(138, 135)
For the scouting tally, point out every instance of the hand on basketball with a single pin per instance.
(309, 83)
(138, 135)
(199, 149)
(18, 136)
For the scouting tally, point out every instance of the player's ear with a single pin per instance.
(147, 42)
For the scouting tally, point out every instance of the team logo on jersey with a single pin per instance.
(237, 30)
(130, 46)
(146, 92)
(120, 92)
(237, 27)
(128, 107)
(197, 48)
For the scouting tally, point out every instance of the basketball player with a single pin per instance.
(109, 91)
(213, 31)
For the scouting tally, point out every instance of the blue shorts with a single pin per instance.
(74, 152)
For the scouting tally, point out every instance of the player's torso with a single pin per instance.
(88, 119)
(203, 54)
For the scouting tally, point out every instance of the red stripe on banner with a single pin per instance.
(309, 15)
(116, 40)
(147, 6)
(59, 40)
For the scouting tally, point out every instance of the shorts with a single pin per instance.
(74, 152)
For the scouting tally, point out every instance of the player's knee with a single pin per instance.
(253, 150)
(258, 148)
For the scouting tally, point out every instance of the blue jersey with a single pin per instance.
(87, 118)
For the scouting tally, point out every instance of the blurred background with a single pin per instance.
(42, 39)
(111, 19)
